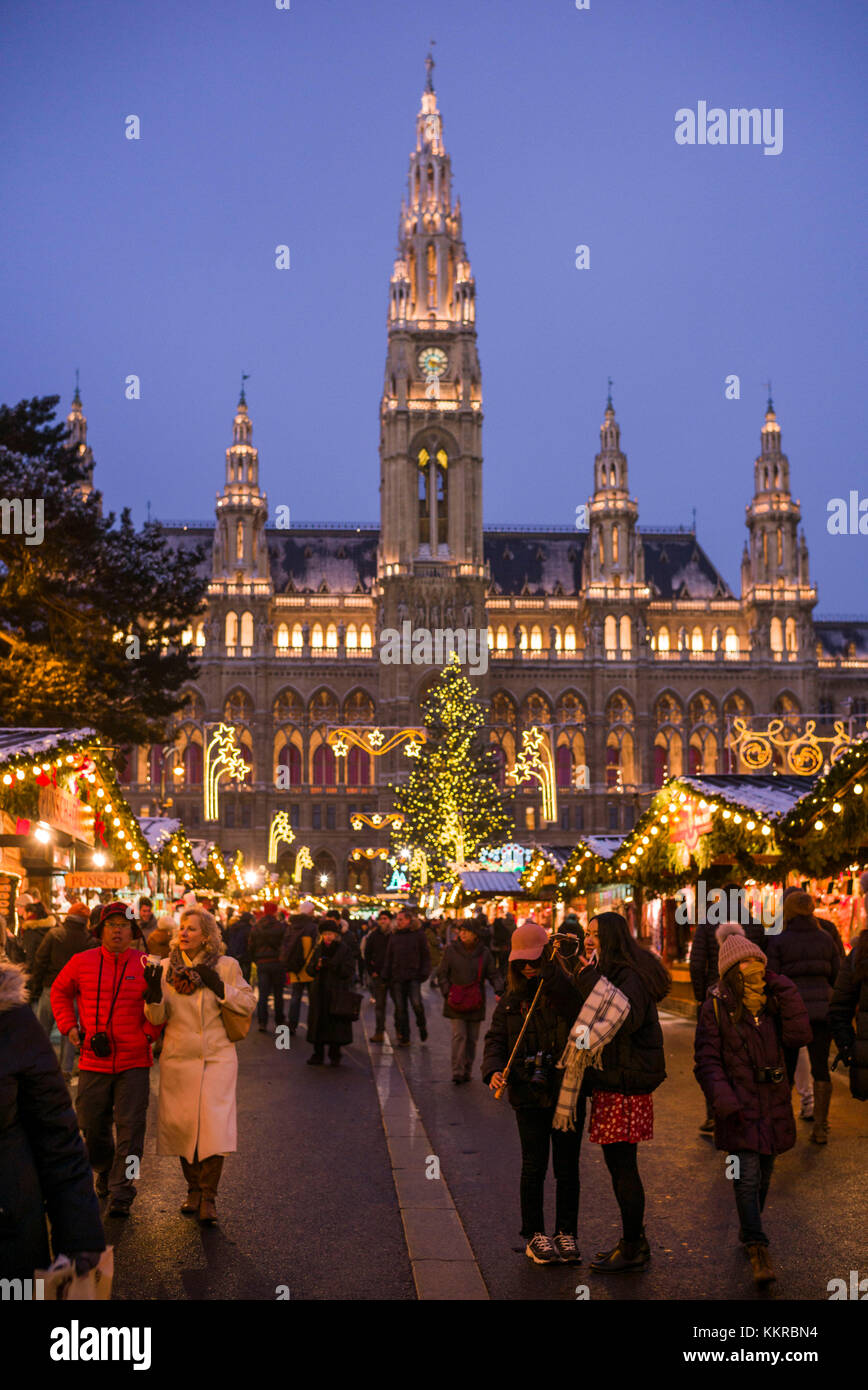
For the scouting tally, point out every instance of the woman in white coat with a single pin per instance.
(198, 1065)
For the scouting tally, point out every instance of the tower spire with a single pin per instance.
(429, 67)
(77, 423)
(242, 399)
(240, 551)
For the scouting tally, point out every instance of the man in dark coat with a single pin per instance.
(44, 1169)
(332, 967)
(808, 956)
(238, 940)
(376, 943)
(848, 1015)
(465, 963)
(266, 943)
(58, 946)
(407, 964)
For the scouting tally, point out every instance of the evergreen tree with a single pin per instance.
(451, 803)
(92, 612)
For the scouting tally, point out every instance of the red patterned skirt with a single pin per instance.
(620, 1119)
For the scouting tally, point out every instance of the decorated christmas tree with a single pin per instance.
(451, 802)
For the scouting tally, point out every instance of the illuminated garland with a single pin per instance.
(281, 830)
(374, 741)
(222, 759)
(535, 762)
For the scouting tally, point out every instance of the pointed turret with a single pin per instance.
(77, 422)
(240, 550)
(613, 555)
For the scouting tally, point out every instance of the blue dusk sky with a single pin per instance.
(262, 126)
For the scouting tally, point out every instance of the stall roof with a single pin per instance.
(604, 846)
(157, 830)
(773, 797)
(33, 742)
(490, 881)
(557, 855)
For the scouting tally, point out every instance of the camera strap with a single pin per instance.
(116, 993)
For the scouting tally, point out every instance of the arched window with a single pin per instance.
(331, 637)
(442, 497)
(765, 547)
(358, 767)
(193, 764)
(200, 634)
(365, 640)
(792, 636)
(570, 639)
(290, 758)
(502, 639)
(614, 545)
(155, 765)
(316, 635)
(297, 636)
(626, 633)
(432, 260)
(239, 541)
(776, 635)
(780, 546)
(610, 630)
(602, 551)
(231, 630)
(499, 768)
(247, 629)
(282, 636)
(696, 640)
(730, 641)
(536, 639)
(424, 497)
(563, 765)
(352, 638)
(324, 766)
(660, 764)
(523, 636)
(663, 639)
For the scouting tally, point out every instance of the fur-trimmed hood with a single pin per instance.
(30, 922)
(13, 985)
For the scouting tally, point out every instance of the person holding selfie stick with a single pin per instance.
(528, 1033)
(107, 986)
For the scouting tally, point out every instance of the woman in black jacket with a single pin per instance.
(331, 967)
(465, 966)
(808, 956)
(631, 1066)
(44, 1168)
(848, 1015)
(533, 1085)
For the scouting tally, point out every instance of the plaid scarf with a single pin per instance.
(600, 1017)
(184, 979)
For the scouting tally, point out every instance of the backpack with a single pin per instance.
(292, 947)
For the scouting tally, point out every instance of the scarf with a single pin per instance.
(753, 973)
(600, 1017)
(183, 978)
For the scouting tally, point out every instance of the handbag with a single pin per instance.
(346, 1003)
(465, 999)
(237, 1025)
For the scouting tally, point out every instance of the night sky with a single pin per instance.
(261, 126)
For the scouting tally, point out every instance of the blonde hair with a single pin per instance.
(211, 938)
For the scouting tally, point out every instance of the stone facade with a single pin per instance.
(626, 644)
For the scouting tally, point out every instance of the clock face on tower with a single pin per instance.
(433, 361)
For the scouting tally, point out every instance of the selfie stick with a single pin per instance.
(500, 1090)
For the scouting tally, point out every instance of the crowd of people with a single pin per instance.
(574, 1036)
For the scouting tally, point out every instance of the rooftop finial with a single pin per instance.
(76, 400)
(770, 403)
(429, 64)
(609, 405)
(242, 399)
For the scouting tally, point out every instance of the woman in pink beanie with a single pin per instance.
(748, 1019)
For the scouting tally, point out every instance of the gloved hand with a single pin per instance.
(211, 980)
(153, 984)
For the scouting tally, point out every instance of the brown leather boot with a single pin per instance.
(209, 1178)
(761, 1265)
(822, 1099)
(190, 1205)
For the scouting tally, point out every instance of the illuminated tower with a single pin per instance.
(240, 550)
(77, 422)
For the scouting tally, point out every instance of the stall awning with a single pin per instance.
(497, 885)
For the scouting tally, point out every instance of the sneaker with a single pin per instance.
(542, 1250)
(617, 1261)
(568, 1248)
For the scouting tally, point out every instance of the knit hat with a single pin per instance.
(79, 910)
(735, 946)
(528, 941)
(116, 909)
(270, 909)
(798, 904)
(308, 908)
(471, 924)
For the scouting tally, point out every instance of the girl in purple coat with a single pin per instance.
(749, 1017)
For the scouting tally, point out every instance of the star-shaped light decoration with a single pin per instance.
(376, 818)
(413, 749)
(341, 748)
(356, 824)
(375, 738)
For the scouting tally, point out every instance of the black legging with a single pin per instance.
(627, 1186)
(818, 1053)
